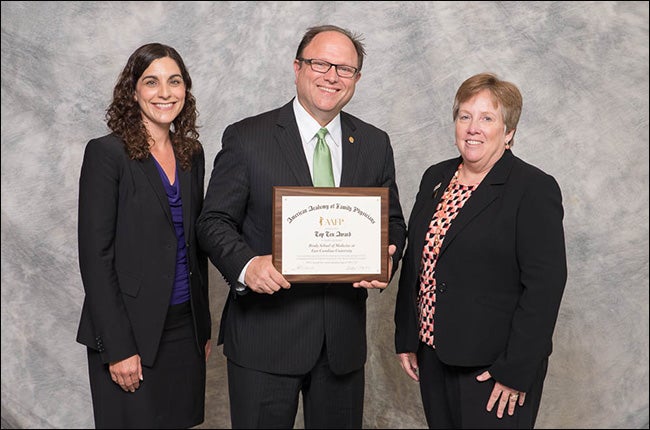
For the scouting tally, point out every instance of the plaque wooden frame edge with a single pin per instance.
(281, 191)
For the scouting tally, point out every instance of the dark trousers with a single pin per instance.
(453, 399)
(270, 401)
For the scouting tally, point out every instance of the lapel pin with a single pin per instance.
(435, 189)
(351, 139)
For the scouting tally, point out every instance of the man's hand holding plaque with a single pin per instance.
(262, 277)
(378, 284)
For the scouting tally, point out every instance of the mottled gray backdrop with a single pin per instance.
(583, 71)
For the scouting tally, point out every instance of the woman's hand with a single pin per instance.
(409, 362)
(506, 396)
(127, 373)
(208, 349)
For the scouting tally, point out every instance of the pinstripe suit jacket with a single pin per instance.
(284, 332)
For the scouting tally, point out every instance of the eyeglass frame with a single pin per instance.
(336, 67)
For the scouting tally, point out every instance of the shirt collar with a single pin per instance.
(308, 126)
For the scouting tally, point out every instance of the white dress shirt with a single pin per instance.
(308, 127)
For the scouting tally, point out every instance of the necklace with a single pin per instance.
(467, 182)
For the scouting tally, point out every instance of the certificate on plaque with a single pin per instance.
(325, 234)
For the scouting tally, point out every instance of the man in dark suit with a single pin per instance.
(280, 339)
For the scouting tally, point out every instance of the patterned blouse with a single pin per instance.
(452, 200)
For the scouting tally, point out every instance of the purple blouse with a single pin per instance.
(181, 289)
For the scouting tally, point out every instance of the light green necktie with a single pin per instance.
(323, 175)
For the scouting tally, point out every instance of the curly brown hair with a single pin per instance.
(124, 116)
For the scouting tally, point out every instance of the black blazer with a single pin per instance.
(283, 332)
(127, 251)
(500, 275)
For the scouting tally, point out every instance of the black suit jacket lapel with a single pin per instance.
(150, 170)
(488, 190)
(425, 213)
(287, 137)
(185, 178)
(350, 146)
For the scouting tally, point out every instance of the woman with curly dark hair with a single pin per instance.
(145, 319)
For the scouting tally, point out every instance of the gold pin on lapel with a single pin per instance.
(351, 139)
(435, 189)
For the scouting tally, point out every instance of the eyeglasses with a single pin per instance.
(322, 66)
